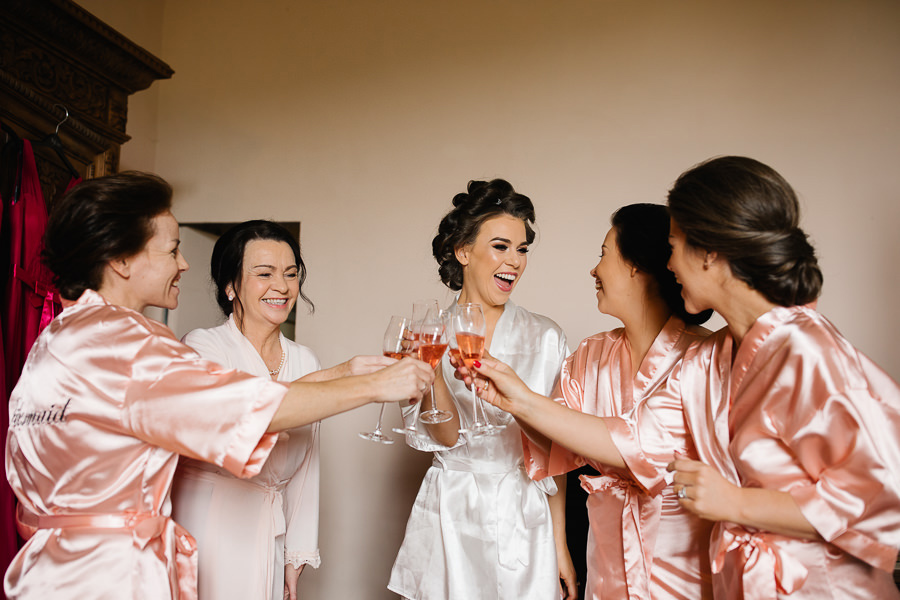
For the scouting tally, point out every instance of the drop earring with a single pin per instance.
(231, 296)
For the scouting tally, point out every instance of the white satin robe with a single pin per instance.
(641, 544)
(480, 529)
(796, 408)
(246, 529)
(106, 402)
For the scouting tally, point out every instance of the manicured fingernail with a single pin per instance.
(477, 363)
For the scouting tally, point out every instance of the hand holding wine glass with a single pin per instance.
(394, 345)
(469, 325)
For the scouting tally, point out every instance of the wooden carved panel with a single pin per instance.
(53, 52)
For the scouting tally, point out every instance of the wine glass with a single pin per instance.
(432, 345)
(468, 322)
(420, 309)
(396, 344)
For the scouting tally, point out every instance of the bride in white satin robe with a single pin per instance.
(480, 529)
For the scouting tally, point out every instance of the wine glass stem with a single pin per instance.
(380, 417)
(479, 407)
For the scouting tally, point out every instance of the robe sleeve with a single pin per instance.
(648, 436)
(185, 404)
(842, 424)
(568, 392)
(301, 497)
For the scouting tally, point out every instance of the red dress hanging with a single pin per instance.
(29, 304)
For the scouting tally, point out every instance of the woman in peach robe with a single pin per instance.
(641, 543)
(108, 399)
(798, 432)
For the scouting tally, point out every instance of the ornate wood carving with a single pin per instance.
(54, 52)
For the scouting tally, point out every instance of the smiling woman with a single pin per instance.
(490, 517)
(258, 272)
(109, 399)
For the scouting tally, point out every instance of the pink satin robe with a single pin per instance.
(641, 543)
(106, 402)
(796, 408)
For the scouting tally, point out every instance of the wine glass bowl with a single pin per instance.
(469, 326)
(432, 343)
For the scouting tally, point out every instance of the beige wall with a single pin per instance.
(362, 119)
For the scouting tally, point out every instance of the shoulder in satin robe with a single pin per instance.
(798, 409)
(246, 529)
(106, 402)
(641, 543)
(480, 529)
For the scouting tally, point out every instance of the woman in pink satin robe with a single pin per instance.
(798, 433)
(641, 543)
(108, 399)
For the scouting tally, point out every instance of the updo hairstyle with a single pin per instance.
(483, 200)
(226, 264)
(100, 220)
(748, 214)
(642, 236)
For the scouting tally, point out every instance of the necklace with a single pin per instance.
(276, 370)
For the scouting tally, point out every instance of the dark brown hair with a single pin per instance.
(481, 201)
(100, 220)
(748, 214)
(642, 236)
(228, 257)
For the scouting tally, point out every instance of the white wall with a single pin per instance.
(362, 119)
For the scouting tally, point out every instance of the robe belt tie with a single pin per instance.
(178, 548)
(270, 520)
(640, 521)
(767, 569)
(512, 529)
(42, 289)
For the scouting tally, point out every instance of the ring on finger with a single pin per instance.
(682, 493)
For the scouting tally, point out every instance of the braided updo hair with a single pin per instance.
(747, 213)
(481, 201)
(642, 236)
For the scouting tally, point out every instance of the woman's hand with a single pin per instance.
(703, 490)
(568, 580)
(291, 576)
(462, 372)
(364, 365)
(706, 493)
(502, 387)
(405, 379)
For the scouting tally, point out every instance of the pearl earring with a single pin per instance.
(230, 297)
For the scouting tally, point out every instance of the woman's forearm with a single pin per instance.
(773, 510)
(581, 433)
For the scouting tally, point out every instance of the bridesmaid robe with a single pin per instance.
(106, 402)
(641, 543)
(797, 408)
(246, 529)
(480, 529)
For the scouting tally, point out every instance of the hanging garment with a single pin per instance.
(31, 301)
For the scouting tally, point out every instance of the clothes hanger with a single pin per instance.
(53, 142)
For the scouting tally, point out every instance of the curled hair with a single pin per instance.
(642, 236)
(100, 220)
(747, 213)
(226, 264)
(481, 201)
